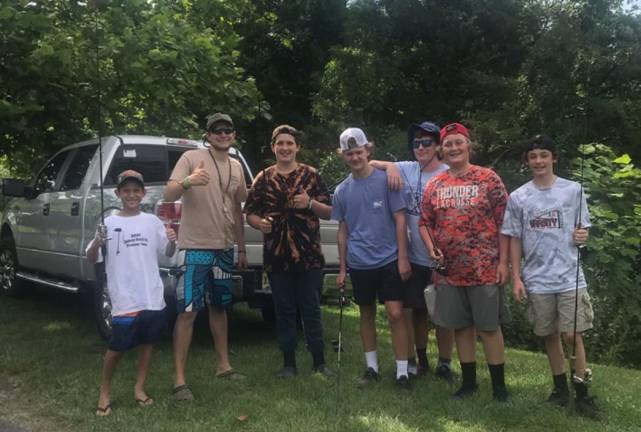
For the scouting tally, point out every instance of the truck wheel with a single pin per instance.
(9, 283)
(102, 303)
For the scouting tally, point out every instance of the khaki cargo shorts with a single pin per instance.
(553, 312)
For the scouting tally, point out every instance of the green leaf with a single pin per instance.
(623, 159)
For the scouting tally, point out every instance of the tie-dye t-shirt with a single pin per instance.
(464, 213)
(544, 220)
(294, 243)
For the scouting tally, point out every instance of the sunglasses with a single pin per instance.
(425, 142)
(220, 131)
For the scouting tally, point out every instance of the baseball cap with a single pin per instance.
(352, 138)
(427, 127)
(284, 129)
(218, 117)
(454, 128)
(542, 142)
(130, 175)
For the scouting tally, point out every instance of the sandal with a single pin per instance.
(182, 393)
(145, 402)
(103, 412)
(231, 375)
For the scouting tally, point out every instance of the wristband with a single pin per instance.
(309, 204)
(186, 183)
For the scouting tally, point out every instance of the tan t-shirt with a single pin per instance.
(207, 220)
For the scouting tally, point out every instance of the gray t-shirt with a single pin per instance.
(544, 220)
(414, 181)
(367, 206)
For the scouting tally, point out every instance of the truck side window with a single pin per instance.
(78, 168)
(47, 180)
(148, 160)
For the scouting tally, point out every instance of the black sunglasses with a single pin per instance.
(425, 142)
(219, 131)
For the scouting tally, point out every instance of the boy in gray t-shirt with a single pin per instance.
(542, 221)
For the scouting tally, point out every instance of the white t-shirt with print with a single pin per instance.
(133, 276)
(544, 220)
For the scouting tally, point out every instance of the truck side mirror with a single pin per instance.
(18, 188)
(13, 188)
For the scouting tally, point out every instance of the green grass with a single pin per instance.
(50, 360)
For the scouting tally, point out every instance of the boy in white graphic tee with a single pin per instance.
(542, 221)
(133, 240)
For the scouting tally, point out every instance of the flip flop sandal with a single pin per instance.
(145, 402)
(231, 375)
(182, 393)
(103, 412)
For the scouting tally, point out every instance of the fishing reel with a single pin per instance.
(440, 268)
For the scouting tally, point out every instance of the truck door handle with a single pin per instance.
(45, 209)
(75, 209)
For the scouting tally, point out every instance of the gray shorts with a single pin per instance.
(481, 306)
(549, 313)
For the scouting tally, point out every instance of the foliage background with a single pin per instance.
(507, 68)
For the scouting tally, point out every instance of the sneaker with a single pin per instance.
(501, 395)
(324, 370)
(465, 391)
(444, 372)
(369, 376)
(560, 397)
(586, 407)
(403, 384)
(287, 372)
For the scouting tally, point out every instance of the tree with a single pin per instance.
(159, 73)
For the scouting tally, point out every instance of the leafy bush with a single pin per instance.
(613, 185)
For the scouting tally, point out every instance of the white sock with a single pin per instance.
(401, 368)
(372, 360)
(412, 368)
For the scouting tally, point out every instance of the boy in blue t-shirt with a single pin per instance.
(547, 220)
(411, 177)
(372, 241)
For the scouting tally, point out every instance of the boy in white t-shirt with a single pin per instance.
(133, 240)
(547, 220)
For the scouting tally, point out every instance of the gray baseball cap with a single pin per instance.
(217, 118)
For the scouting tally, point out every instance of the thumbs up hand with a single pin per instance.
(200, 176)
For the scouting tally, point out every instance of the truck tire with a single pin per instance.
(9, 283)
(102, 303)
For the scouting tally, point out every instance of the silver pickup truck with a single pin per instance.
(46, 224)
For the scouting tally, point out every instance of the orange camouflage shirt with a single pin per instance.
(464, 213)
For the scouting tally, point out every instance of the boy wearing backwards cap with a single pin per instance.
(134, 240)
(463, 207)
(542, 222)
(410, 177)
(372, 241)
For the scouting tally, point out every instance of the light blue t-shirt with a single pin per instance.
(367, 206)
(544, 220)
(414, 181)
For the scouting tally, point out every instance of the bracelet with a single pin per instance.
(186, 183)
(309, 204)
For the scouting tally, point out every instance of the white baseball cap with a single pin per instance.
(352, 138)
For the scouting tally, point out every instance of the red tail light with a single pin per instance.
(169, 213)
